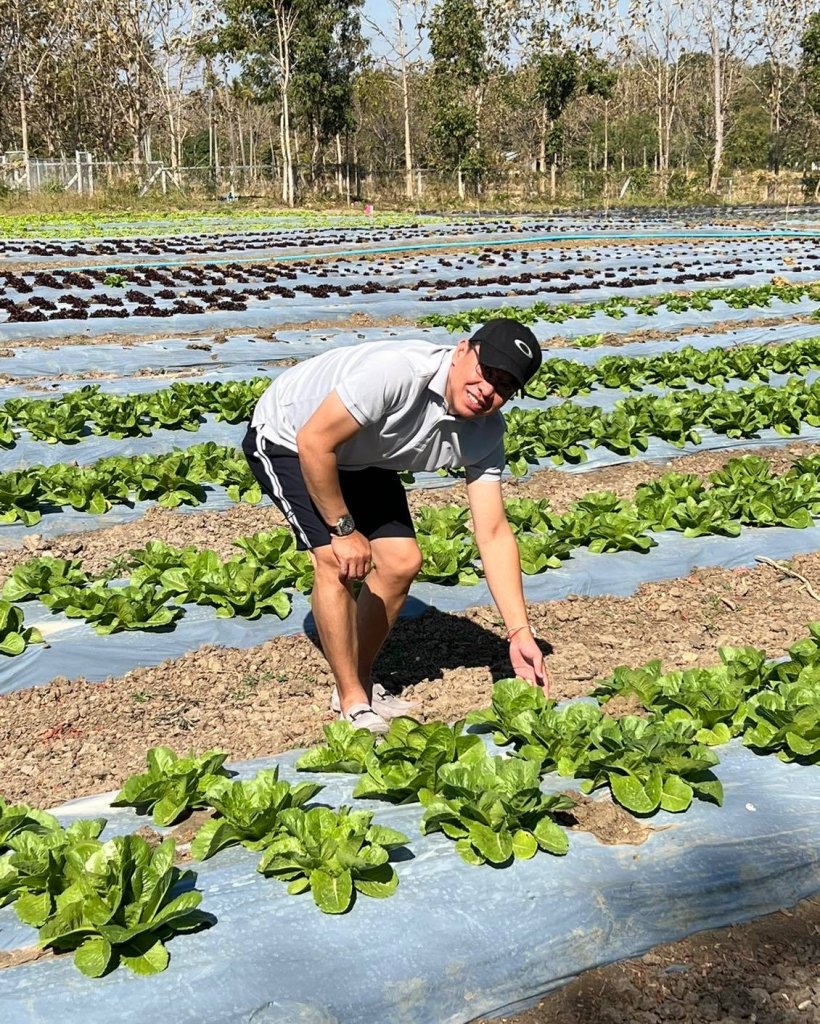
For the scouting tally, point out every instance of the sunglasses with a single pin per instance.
(504, 385)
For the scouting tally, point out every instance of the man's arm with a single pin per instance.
(502, 568)
(316, 443)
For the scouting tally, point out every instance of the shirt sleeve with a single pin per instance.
(491, 466)
(377, 387)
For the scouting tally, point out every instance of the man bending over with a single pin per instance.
(327, 441)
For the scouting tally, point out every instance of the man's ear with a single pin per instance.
(463, 347)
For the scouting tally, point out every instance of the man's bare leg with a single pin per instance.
(396, 562)
(334, 611)
(353, 632)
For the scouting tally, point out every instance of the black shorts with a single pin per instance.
(374, 497)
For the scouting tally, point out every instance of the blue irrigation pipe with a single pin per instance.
(473, 244)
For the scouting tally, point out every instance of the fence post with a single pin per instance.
(79, 172)
(90, 165)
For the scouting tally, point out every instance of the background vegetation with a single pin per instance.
(499, 99)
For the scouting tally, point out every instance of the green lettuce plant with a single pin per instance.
(16, 818)
(410, 757)
(345, 750)
(248, 811)
(14, 636)
(336, 854)
(172, 784)
(122, 907)
(495, 811)
(41, 863)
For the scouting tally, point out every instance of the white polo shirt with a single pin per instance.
(396, 392)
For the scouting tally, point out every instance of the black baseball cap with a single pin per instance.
(510, 346)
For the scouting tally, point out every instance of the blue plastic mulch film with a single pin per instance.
(74, 649)
(455, 942)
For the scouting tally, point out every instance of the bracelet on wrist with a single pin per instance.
(517, 629)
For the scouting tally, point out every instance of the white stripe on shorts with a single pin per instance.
(276, 487)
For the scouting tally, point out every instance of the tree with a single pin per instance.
(327, 45)
(29, 31)
(404, 42)
(652, 34)
(810, 63)
(259, 34)
(782, 22)
(459, 73)
(810, 77)
(556, 80)
(726, 26)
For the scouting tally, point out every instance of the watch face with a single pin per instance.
(345, 526)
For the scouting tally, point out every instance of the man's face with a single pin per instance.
(474, 390)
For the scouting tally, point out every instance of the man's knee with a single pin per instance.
(401, 562)
(325, 566)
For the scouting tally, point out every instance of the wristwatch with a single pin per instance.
(343, 526)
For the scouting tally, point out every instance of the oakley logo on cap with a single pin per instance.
(524, 347)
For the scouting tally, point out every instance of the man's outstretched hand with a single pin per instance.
(528, 662)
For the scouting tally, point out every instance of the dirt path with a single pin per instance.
(765, 972)
(72, 738)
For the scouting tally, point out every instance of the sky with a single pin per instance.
(381, 12)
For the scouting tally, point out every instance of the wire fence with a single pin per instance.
(512, 185)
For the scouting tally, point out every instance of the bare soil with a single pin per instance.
(606, 820)
(763, 972)
(72, 738)
(17, 957)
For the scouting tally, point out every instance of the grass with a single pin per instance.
(113, 214)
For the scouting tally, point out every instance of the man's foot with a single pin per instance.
(362, 716)
(382, 702)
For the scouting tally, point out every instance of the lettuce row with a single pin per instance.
(618, 306)
(333, 853)
(176, 478)
(744, 492)
(88, 410)
(182, 405)
(774, 707)
(248, 586)
(561, 433)
(679, 369)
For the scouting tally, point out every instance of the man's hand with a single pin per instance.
(353, 555)
(527, 660)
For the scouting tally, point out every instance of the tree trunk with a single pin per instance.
(340, 184)
(24, 134)
(283, 151)
(314, 157)
(405, 100)
(719, 112)
(22, 97)
(283, 30)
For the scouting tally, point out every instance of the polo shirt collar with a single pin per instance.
(438, 382)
